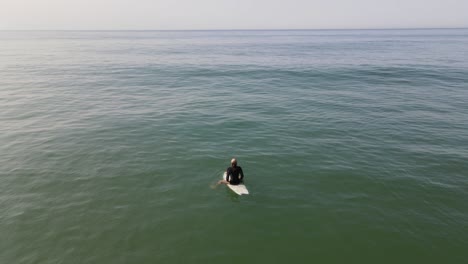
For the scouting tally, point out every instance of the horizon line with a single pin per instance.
(240, 29)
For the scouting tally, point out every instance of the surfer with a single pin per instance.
(234, 174)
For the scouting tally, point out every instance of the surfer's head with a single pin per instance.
(234, 162)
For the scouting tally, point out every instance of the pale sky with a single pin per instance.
(230, 14)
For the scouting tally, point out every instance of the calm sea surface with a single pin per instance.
(354, 145)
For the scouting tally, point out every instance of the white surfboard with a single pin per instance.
(240, 189)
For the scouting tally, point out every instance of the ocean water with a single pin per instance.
(353, 143)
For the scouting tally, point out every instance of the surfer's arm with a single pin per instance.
(241, 174)
(227, 174)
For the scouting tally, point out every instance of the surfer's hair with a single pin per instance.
(234, 161)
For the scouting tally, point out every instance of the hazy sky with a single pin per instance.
(231, 14)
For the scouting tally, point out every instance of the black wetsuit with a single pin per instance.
(234, 175)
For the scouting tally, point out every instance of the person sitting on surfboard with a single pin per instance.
(234, 174)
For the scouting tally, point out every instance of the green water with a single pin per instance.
(353, 145)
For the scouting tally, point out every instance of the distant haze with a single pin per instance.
(230, 14)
